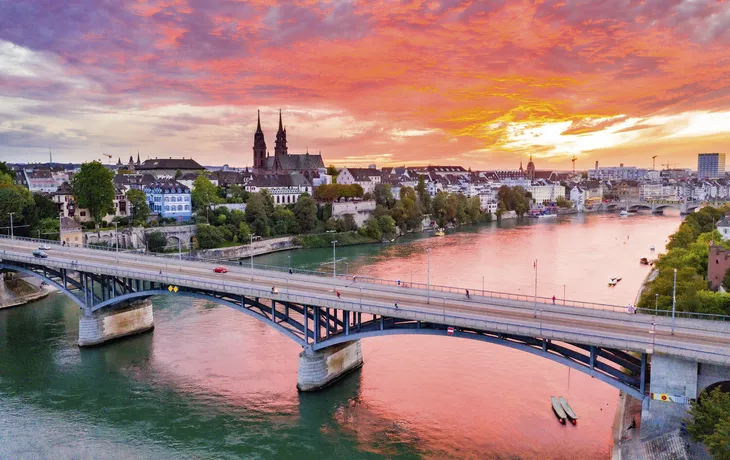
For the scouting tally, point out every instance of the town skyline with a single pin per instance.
(482, 86)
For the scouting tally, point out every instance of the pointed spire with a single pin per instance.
(138, 162)
(258, 126)
(281, 125)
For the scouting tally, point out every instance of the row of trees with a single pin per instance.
(688, 250)
(333, 192)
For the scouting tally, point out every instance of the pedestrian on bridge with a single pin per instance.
(338, 294)
(553, 300)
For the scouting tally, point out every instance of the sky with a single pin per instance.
(482, 84)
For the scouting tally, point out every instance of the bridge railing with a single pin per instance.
(435, 288)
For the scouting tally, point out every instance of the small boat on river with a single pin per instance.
(440, 232)
(651, 248)
(568, 411)
(623, 213)
(644, 261)
(558, 410)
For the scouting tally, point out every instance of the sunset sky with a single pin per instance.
(479, 84)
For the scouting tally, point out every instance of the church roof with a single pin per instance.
(295, 162)
(279, 180)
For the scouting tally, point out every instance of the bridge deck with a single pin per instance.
(701, 340)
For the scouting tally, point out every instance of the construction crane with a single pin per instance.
(574, 160)
(653, 162)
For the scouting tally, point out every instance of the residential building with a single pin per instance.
(188, 179)
(440, 170)
(285, 188)
(617, 173)
(166, 168)
(628, 191)
(546, 192)
(723, 226)
(40, 181)
(170, 200)
(365, 177)
(651, 191)
(71, 232)
(579, 195)
(710, 165)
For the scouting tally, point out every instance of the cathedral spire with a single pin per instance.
(281, 125)
(280, 143)
(258, 126)
(138, 162)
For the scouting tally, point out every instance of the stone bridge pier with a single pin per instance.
(122, 320)
(318, 369)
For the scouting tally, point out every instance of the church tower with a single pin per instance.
(259, 147)
(280, 145)
(531, 169)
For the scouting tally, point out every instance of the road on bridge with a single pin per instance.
(711, 337)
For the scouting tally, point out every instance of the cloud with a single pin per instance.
(397, 82)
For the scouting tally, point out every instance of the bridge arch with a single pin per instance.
(48, 280)
(159, 292)
(483, 338)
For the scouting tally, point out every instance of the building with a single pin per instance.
(530, 173)
(170, 200)
(166, 168)
(366, 178)
(718, 263)
(617, 173)
(71, 232)
(543, 192)
(723, 226)
(579, 195)
(188, 179)
(285, 188)
(710, 165)
(40, 181)
(651, 191)
(282, 162)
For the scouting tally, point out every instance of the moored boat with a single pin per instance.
(568, 410)
(612, 282)
(440, 232)
(558, 409)
(644, 261)
(624, 213)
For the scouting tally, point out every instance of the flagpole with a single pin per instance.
(534, 307)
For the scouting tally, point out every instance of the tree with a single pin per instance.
(4, 169)
(45, 207)
(210, 237)
(140, 209)
(256, 216)
(94, 190)
(563, 203)
(371, 229)
(156, 241)
(204, 193)
(284, 221)
(244, 232)
(178, 174)
(726, 281)
(348, 223)
(332, 171)
(305, 211)
(383, 195)
(709, 422)
(48, 228)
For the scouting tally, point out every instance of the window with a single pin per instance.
(179, 207)
(167, 208)
(187, 207)
(167, 199)
(83, 213)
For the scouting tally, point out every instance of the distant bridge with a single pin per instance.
(603, 341)
(658, 206)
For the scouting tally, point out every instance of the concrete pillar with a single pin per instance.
(115, 322)
(317, 369)
(677, 379)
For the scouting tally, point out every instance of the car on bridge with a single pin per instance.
(220, 270)
(44, 247)
(39, 254)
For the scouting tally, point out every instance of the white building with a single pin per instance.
(40, 181)
(543, 192)
(578, 196)
(617, 173)
(723, 226)
(285, 188)
(367, 178)
(651, 191)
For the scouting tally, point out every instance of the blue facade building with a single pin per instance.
(170, 200)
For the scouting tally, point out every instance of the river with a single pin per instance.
(210, 382)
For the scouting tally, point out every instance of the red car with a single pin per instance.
(220, 270)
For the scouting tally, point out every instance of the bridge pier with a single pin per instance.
(112, 323)
(674, 381)
(317, 369)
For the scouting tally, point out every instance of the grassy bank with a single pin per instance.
(324, 240)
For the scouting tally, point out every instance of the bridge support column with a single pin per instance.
(317, 369)
(113, 323)
(673, 383)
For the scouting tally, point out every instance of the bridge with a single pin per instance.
(658, 206)
(638, 354)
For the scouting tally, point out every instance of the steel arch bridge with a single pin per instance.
(317, 328)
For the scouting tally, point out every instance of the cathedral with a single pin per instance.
(282, 162)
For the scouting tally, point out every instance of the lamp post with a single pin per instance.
(656, 304)
(334, 259)
(534, 306)
(12, 234)
(116, 236)
(60, 229)
(674, 299)
(250, 249)
(428, 275)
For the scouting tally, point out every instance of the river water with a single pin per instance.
(210, 382)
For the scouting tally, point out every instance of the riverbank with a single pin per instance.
(17, 292)
(324, 240)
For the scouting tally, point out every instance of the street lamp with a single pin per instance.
(656, 304)
(674, 299)
(116, 236)
(334, 259)
(12, 235)
(250, 248)
(534, 307)
(60, 230)
(428, 275)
